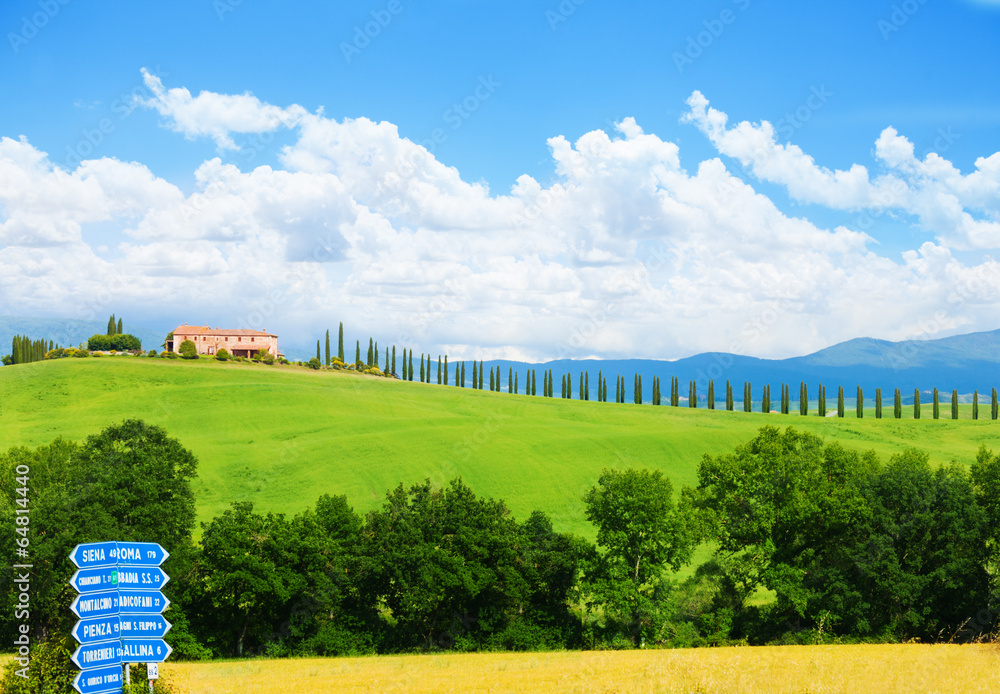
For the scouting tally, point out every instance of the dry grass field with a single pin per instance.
(814, 669)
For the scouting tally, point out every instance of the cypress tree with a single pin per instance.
(326, 354)
(821, 405)
(460, 381)
(994, 409)
(785, 398)
(357, 351)
(375, 352)
(342, 351)
(340, 348)
(954, 404)
(405, 373)
(617, 388)
(878, 403)
(480, 375)
(729, 396)
(935, 407)
(803, 399)
(860, 404)
(422, 373)
(586, 387)
(747, 396)
(111, 325)
(515, 383)
(371, 353)
(446, 369)
(510, 380)
(840, 401)
(562, 384)
(711, 394)
(580, 390)
(765, 399)
(475, 376)
(599, 381)
(975, 404)
(119, 330)
(439, 370)
(411, 365)
(534, 382)
(386, 370)
(317, 350)
(916, 403)
(639, 383)
(675, 392)
(897, 405)
(693, 395)
(492, 384)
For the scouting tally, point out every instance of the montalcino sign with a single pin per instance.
(119, 606)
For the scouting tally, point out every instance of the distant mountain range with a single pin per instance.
(963, 362)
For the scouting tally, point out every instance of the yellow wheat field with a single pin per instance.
(800, 669)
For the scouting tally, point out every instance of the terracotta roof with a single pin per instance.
(205, 330)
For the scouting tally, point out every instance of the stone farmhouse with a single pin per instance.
(238, 342)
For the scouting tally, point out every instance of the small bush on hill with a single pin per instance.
(313, 363)
(81, 353)
(222, 354)
(151, 354)
(188, 350)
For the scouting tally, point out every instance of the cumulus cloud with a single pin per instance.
(216, 115)
(961, 210)
(626, 253)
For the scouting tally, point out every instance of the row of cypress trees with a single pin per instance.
(428, 373)
(24, 350)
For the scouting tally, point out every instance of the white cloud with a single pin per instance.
(625, 254)
(962, 211)
(216, 115)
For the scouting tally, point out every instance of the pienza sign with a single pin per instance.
(120, 605)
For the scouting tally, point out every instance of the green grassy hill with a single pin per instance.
(281, 436)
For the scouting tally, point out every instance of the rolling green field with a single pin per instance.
(282, 436)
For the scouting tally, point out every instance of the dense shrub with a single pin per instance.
(222, 354)
(188, 350)
(151, 353)
(117, 343)
(313, 363)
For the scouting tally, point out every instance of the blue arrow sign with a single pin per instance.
(99, 680)
(94, 554)
(95, 655)
(95, 579)
(95, 604)
(137, 625)
(142, 601)
(97, 629)
(141, 554)
(145, 650)
(141, 577)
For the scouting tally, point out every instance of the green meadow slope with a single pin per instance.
(282, 436)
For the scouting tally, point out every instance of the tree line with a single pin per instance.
(851, 549)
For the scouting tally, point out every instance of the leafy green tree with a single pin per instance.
(984, 474)
(340, 347)
(247, 572)
(437, 555)
(640, 534)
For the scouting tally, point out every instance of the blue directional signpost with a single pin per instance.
(120, 606)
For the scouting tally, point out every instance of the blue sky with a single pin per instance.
(639, 179)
